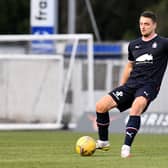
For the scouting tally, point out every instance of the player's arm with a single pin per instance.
(127, 70)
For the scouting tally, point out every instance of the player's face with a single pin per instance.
(147, 26)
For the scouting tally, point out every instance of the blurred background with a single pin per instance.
(112, 20)
(112, 23)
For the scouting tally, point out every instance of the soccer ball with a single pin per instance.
(85, 146)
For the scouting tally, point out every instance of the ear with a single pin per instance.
(155, 25)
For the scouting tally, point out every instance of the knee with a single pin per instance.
(101, 108)
(105, 104)
(138, 106)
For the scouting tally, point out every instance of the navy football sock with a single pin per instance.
(103, 124)
(132, 128)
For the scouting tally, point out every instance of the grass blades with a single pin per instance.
(56, 149)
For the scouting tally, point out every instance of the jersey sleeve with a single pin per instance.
(130, 56)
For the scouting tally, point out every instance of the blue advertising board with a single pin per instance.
(101, 50)
(42, 23)
(42, 46)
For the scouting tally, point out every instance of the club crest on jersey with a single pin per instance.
(154, 45)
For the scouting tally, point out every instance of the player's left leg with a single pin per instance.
(143, 97)
(133, 124)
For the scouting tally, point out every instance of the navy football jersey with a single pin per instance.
(150, 61)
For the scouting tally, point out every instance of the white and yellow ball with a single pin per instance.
(85, 146)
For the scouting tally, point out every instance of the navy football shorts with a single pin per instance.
(124, 95)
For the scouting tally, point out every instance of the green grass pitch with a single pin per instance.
(56, 149)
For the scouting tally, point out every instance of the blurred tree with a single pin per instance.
(14, 16)
(63, 21)
(162, 11)
(116, 19)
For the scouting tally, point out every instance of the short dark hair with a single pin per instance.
(150, 15)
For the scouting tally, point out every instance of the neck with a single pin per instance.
(150, 37)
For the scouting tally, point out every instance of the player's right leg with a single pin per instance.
(102, 107)
(121, 97)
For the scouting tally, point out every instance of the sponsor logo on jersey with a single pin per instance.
(145, 58)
